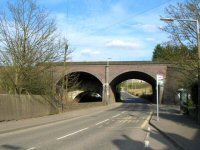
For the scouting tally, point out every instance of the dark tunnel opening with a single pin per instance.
(137, 76)
(88, 96)
(81, 87)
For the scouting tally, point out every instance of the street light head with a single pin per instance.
(167, 19)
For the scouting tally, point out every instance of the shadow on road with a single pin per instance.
(11, 147)
(128, 144)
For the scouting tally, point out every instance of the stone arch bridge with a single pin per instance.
(105, 76)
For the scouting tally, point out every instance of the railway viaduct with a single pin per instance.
(103, 77)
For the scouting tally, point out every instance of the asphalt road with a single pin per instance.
(124, 127)
(128, 98)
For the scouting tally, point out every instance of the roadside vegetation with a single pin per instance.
(137, 87)
(29, 45)
(181, 49)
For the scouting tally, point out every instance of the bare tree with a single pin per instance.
(183, 32)
(28, 38)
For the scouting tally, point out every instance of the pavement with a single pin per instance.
(180, 129)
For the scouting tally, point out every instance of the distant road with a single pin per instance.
(127, 97)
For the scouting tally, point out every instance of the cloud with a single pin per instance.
(89, 52)
(51, 1)
(123, 44)
(118, 9)
(150, 39)
(96, 33)
(149, 28)
(145, 27)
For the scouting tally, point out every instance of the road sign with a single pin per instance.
(160, 79)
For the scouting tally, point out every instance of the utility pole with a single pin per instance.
(107, 81)
(65, 77)
(64, 83)
(198, 44)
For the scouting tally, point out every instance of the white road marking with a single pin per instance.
(116, 116)
(149, 129)
(146, 120)
(31, 148)
(71, 134)
(148, 134)
(146, 143)
(102, 122)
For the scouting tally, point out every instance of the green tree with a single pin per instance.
(183, 58)
(173, 53)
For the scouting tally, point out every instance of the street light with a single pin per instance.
(108, 61)
(107, 80)
(198, 46)
(64, 84)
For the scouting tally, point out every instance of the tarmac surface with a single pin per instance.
(180, 129)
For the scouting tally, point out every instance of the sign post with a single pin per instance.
(159, 81)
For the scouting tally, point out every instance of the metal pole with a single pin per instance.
(107, 81)
(66, 79)
(198, 46)
(157, 98)
(64, 86)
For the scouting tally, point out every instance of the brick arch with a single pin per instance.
(132, 75)
(89, 73)
(82, 73)
(86, 83)
(61, 75)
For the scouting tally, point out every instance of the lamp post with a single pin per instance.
(107, 81)
(64, 85)
(198, 47)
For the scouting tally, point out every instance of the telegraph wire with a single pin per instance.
(122, 21)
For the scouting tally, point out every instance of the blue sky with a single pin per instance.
(124, 30)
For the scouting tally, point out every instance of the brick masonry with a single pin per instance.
(118, 71)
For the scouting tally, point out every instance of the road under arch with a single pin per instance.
(82, 87)
(132, 75)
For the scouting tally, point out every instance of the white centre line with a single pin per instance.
(123, 112)
(31, 148)
(146, 143)
(116, 116)
(148, 134)
(102, 122)
(71, 134)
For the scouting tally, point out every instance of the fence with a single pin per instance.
(15, 107)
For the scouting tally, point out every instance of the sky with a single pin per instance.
(122, 30)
